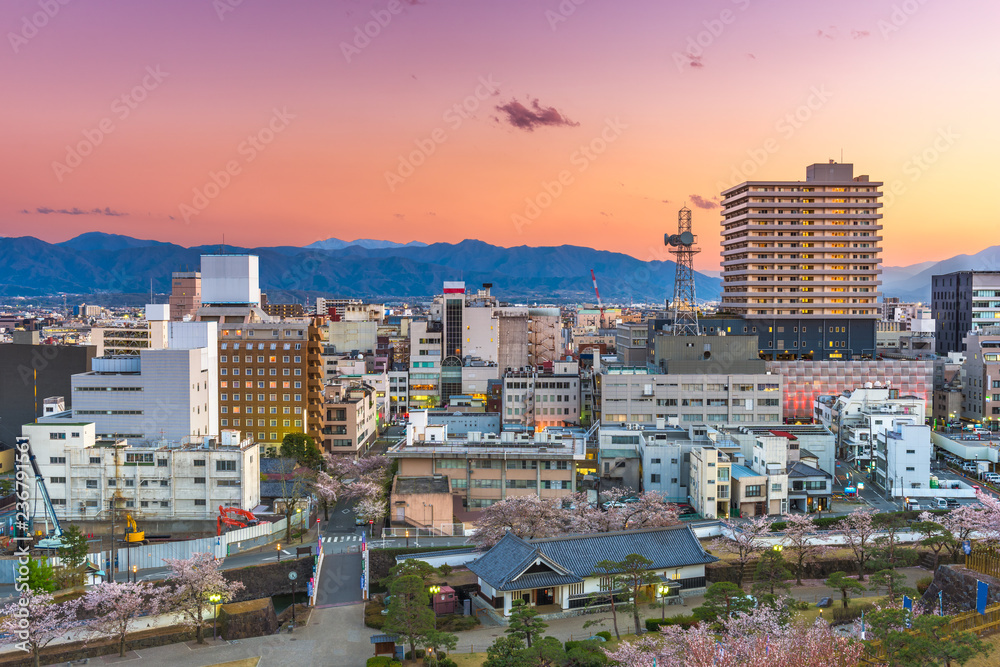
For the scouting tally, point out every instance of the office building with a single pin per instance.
(350, 418)
(710, 482)
(539, 398)
(31, 371)
(981, 376)
(902, 460)
(961, 302)
(632, 343)
(185, 295)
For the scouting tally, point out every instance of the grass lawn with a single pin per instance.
(468, 659)
(989, 660)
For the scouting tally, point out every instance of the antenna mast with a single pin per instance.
(682, 247)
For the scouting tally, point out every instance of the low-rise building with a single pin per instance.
(86, 476)
(558, 574)
(350, 418)
(539, 398)
(485, 468)
(710, 482)
(902, 460)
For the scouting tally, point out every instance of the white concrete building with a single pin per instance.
(539, 399)
(903, 461)
(710, 482)
(85, 474)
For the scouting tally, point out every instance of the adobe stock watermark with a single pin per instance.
(121, 108)
(223, 7)
(248, 150)
(32, 23)
(785, 127)
(899, 16)
(703, 39)
(454, 116)
(562, 12)
(365, 33)
(919, 163)
(581, 158)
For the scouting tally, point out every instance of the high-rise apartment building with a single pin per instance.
(803, 248)
(961, 302)
(185, 294)
(804, 256)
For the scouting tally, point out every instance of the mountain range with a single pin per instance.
(96, 263)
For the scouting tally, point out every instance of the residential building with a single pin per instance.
(31, 371)
(666, 453)
(528, 337)
(425, 364)
(710, 482)
(902, 460)
(635, 395)
(858, 416)
(484, 468)
(981, 376)
(271, 379)
(185, 295)
(558, 574)
(350, 418)
(539, 398)
(961, 302)
(86, 476)
(351, 336)
(399, 394)
(749, 492)
(803, 249)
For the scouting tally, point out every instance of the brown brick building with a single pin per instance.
(271, 379)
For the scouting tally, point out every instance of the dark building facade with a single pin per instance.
(963, 301)
(29, 373)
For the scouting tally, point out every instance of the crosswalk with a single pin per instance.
(342, 538)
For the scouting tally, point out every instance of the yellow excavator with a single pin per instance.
(132, 533)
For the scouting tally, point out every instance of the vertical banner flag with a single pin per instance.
(982, 590)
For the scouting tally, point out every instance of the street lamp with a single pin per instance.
(135, 574)
(662, 591)
(778, 548)
(214, 598)
(279, 551)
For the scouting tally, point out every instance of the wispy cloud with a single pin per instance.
(859, 34)
(701, 202)
(45, 210)
(525, 118)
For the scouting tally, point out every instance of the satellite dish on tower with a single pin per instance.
(685, 239)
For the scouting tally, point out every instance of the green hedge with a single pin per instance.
(686, 622)
(605, 634)
(383, 661)
(843, 614)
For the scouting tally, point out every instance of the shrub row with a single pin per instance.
(843, 614)
(829, 522)
(383, 661)
(686, 622)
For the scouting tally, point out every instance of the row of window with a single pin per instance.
(260, 397)
(236, 384)
(285, 423)
(260, 346)
(260, 410)
(461, 464)
(260, 371)
(272, 359)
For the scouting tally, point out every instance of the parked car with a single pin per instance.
(952, 503)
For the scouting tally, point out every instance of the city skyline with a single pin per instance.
(285, 125)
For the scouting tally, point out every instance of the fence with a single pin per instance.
(985, 562)
(969, 621)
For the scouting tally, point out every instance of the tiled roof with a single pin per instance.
(275, 466)
(540, 580)
(799, 469)
(579, 555)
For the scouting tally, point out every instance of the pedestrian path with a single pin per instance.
(342, 538)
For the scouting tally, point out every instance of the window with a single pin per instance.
(199, 502)
(57, 480)
(62, 459)
(138, 457)
(199, 463)
(95, 459)
(486, 484)
(776, 488)
(654, 479)
(522, 465)
(654, 461)
(57, 436)
(225, 466)
(452, 463)
(458, 483)
(754, 491)
(521, 484)
(92, 483)
(164, 503)
(199, 480)
(227, 482)
(910, 469)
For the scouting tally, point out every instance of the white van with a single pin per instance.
(940, 504)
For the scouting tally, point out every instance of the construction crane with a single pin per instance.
(132, 533)
(54, 538)
(599, 304)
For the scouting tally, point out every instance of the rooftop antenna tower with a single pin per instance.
(682, 247)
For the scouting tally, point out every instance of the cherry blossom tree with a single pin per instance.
(984, 518)
(800, 531)
(115, 606)
(647, 510)
(526, 516)
(859, 532)
(191, 581)
(35, 620)
(346, 478)
(960, 523)
(757, 639)
(745, 540)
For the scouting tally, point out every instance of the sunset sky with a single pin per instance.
(118, 113)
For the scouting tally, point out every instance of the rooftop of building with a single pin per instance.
(800, 469)
(738, 471)
(423, 485)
